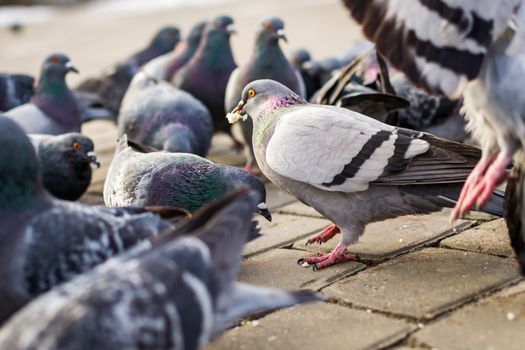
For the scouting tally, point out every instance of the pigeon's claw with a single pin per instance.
(325, 235)
(475, 177)
(321, 261)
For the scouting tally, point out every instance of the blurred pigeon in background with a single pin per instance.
(15, 90)
(267, 62)
(156, 114)
(112, 85)
(312, 82)
(53, 108)
(206, 74)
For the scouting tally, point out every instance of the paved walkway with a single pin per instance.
(420, 283)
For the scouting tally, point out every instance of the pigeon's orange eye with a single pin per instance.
(54, 59)
(76, 146)
(251, 93)
(267, 25)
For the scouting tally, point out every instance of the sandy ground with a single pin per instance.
(95, 40)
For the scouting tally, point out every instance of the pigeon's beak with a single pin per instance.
(92, 156)
(262, 209)
(71, 68)
(237, 113)
(230, 29)
(282, 35)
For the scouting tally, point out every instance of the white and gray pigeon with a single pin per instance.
(157, 114)
(15, 90)
(45, 241)
(351, 168)
(468, 48)
(267, 62)
(169, 294)
(65, 163)
(143, 176)
(53, 109)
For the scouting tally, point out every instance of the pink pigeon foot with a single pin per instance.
(324, 260)
(479, 190)
(473, 179)
(325, 235)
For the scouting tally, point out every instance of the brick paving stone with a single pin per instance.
(315, 326)
(275, 197)
(298, 208)
(394, 236)
(490, 237)
(496, 322)
(283, 230)
(278, 268)
(425, 283)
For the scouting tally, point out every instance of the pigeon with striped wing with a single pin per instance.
(351, 168)
(470, 48)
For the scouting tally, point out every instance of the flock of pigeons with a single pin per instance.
(156, 268)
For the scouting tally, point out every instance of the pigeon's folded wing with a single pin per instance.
(438, 44)
(347, 152)
(335, 149)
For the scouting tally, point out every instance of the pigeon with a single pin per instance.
(65, 163)
(352, 169)
(156, 114)
(312, 82)
(206, 74)
(469, 48)
(139, 175)
(53, 109)
(175, 293)
(45, 241)
(15, 90)
(113, 84)
(267, 62)
(164, 67)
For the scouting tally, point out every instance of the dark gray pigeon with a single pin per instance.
(172, 294)
(156, 114)
(351, 168)
(139, 176)
(45, 241)
(53, 109)
(515, 214)
(15, 90)
(463, 49)
(164, 67)
(206, 74)
(267, 62)
(112, 85)
(65, 163)
(312, 82)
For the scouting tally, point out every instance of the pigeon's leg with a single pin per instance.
(321, 261)
(495, 175)
(325, 235)
(472, 181)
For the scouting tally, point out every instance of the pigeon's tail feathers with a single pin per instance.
(140, 147)
(244, 300)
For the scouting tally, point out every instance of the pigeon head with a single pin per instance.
(56, 65)
(262, 97)
(19, 176)
(196, 33)
(221, 27)
(166, 39)
(76, 148)
(271, 31)
(238, 178)
(299, 57)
